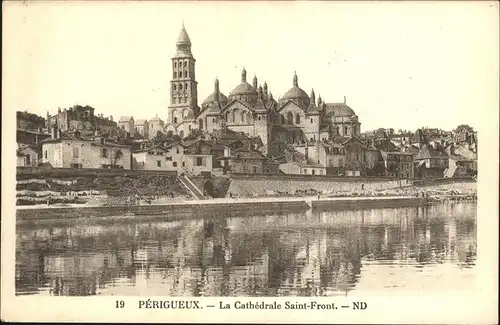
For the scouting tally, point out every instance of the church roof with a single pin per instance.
(295, 92)
(339, 109)
(183, 36)
(212, 97)
(243, 88)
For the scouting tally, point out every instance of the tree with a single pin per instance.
(162, 138)
(194, 134)
(117, 156)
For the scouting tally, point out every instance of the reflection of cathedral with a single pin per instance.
(250, 108)
(323, 253)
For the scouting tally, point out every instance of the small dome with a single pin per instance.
(154, 119)
(243, 88)
(339, 109)
(296, 94)
(211, 98)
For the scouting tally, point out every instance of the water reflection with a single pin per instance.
(317, 253)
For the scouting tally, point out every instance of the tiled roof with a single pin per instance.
(124, 119)
(428, 152)
(248, 155)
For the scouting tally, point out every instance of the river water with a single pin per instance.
(429, 249)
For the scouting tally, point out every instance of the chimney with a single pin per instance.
(53, 132)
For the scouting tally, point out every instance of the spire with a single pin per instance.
(244, 75)
(295, 79)
(183, 37)
(265, 87)
(216, 89)
(271, 96)
(313, 97)
(319, 101)
(255, 82)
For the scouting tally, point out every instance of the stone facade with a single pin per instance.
(250, 108)
(27, 156)
(73, 151)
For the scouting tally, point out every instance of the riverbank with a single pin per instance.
(27, 216)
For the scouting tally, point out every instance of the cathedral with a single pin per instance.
(296, 118)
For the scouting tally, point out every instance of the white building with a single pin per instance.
(71, 150)
(172, 158)
(27, 156)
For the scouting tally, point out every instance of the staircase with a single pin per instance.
(188, 185)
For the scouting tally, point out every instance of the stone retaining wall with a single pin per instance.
(244, 187)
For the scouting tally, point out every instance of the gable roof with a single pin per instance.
(251, 154)
(125, 119)
(283, 105)
(428, 152)
(231, 102)
(157, 147)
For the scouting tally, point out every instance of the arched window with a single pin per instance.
(174, 87)
(337, 130)
(235, 113)
(345, 130)
(283, 119)
(289, 118)
(185, 64)
(259, 117)
(186, 86)
(200, 123)
(185, 74)
(297, 119)
(243, 118)
(175, 119)
(227, 117)
(180, 86)
(181, 134)
(175, 74)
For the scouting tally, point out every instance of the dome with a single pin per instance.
(243, 88)
(212, 98)
(155, 119)
(244, 91)
(339, 109)
(296, 94)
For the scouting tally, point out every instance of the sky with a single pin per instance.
(399, 65)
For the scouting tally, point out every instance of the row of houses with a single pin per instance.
(219, 154)
(226, 151)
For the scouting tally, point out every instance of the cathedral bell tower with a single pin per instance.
(183, 86)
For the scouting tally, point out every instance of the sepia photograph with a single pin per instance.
(249, 151)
